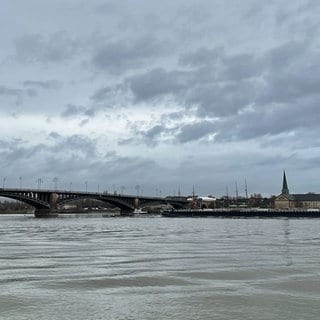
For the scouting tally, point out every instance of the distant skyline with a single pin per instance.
(160, 95)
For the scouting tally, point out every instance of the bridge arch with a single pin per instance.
(32, 201)
(47, 202)
(122, 205)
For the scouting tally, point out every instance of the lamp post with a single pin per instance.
(4, 182)
(86, 183)
(20, 182)
(70, 186)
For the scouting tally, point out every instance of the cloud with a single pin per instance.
(54, 135)
(5, 91)
(246, 92)
(17, 94)
(123, 55)
(71, 158)
(51, 48)
(163, 88)
(218, 86)
(154, 131)
(76, 145)
(151, 136)
(196, 131)
(111, 95)
(157, 83)
(202, 57)
(48, 85)
(71, 111)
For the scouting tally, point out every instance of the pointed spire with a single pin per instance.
(285, 189)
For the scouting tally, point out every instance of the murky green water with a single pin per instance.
(159, 268)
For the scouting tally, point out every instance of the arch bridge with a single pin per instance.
(48, 202)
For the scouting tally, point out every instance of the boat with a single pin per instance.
(139, 211)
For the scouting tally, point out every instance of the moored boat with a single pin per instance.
(139, 211)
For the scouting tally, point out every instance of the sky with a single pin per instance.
(164, 95)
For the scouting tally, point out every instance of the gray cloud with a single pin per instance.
(157, 83)
(73, 111)
(5, 91)
(271, 121)
(217, 86)
(54, 135)
(149, 137)
(241, 82)
(195, 131)
(55, 47)
(154, 131)
(202, 57)
(124, 55)
(76, 145)
(16, 151)
(48, 85)
(111, 95)
(17, 94)
(72, 158)
(240, 76)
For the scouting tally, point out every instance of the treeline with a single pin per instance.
(84, 204)
(253, 201)
(11, 206)
(79, 205)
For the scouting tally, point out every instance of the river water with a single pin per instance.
(90, 267)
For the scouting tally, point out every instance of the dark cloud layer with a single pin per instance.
(150, 91)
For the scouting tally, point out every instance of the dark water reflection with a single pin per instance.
(159, 268)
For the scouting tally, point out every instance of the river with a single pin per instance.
(89, 267)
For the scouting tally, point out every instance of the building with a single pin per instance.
(196, 202)
(296, 201)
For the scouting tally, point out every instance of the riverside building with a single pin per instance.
(296, 201)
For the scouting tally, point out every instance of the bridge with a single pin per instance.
(47, 203)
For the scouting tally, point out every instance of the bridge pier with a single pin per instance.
(51, 212)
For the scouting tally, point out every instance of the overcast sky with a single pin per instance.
(160, 94)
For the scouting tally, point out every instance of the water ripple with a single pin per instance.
(158, 268)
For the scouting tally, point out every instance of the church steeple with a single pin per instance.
(285, 189)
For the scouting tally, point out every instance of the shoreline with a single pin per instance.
(243, 213)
